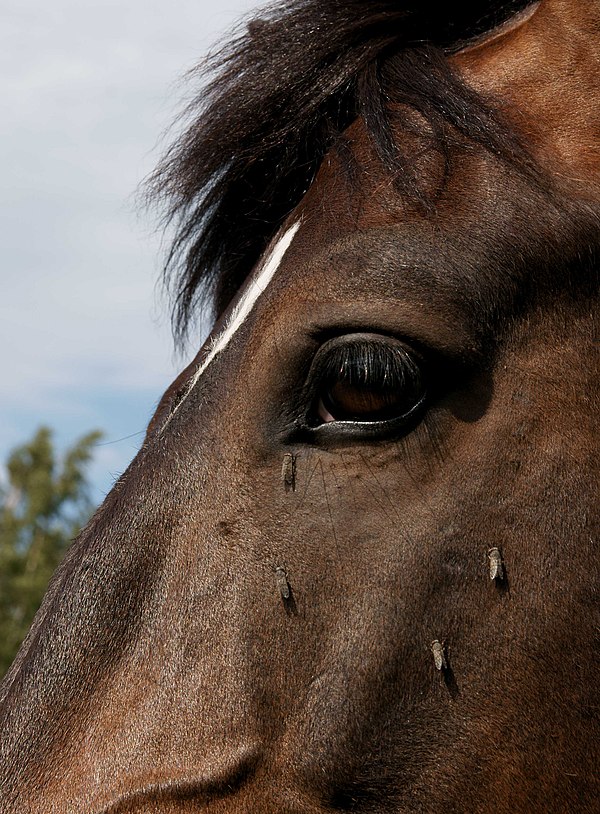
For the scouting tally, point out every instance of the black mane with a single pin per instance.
(277, 98)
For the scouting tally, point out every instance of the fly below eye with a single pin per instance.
(367, 378)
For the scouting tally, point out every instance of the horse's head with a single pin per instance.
(354, 566)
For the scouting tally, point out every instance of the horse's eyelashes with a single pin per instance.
(366, 379)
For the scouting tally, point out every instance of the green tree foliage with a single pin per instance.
(43, 505)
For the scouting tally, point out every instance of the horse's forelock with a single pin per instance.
(279, 96)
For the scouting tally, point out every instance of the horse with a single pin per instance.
(354, 566)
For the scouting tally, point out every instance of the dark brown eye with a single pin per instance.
(368, 378)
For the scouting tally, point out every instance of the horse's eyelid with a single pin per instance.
(376, 358)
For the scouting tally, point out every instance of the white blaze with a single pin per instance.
(255, 288)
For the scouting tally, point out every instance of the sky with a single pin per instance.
(87, 92)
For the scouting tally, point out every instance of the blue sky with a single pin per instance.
(88, 88)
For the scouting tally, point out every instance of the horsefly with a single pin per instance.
(439, 655)
(282, 582)
(496, 564)
(288, 472)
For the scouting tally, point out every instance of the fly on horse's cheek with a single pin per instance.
(496, 564)
(282, 582)
(288, 472)
(354, 567)
(439, 655)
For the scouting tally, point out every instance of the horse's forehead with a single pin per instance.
(544, 76)
(546, 71)
(353, 190)
(547, 74)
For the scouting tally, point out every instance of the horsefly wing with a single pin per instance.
(282, 582)
(496, 564)
(439, 655)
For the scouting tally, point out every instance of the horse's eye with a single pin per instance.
(367, 378)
